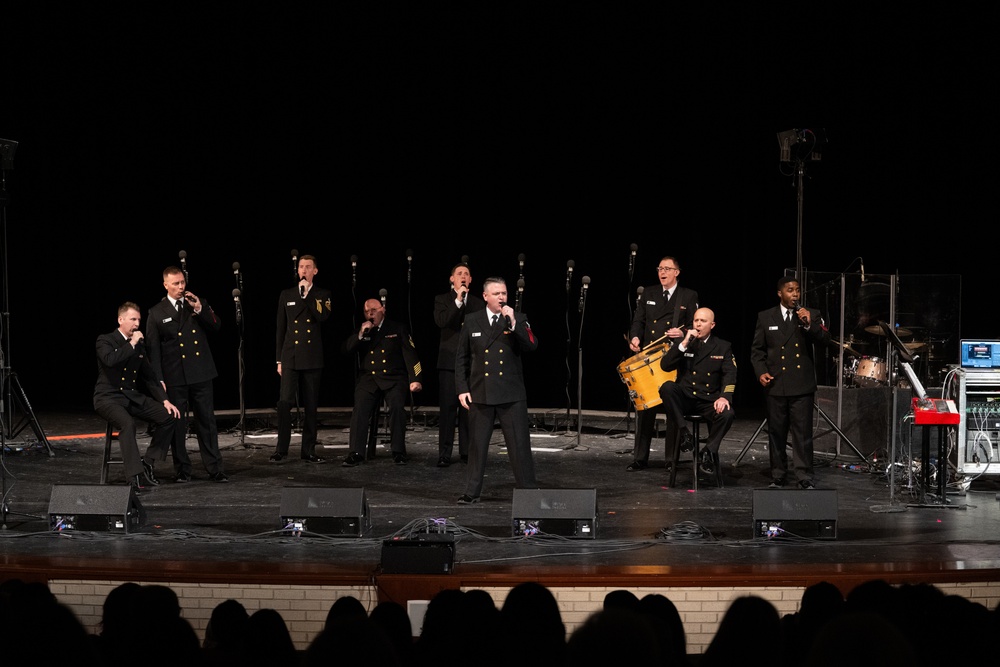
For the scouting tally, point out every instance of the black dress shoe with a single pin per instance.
(219, 477)
(707, 463)
(353, 460)
(466, 499)
(182, 477)
(313, 459)
(277, 458)
(777, 483)
(444, 462)
(137, 484)
(687, 442)
(400, 459)
(807, 484)
(148, 472)
(636, 465)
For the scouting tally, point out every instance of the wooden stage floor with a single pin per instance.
(644, 534)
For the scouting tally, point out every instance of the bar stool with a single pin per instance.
(109, 437)
(695, 422)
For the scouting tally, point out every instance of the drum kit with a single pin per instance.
(863, 370)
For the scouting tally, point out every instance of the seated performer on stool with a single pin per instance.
(706, 380)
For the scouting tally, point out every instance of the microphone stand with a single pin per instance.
(239, 359)
(409, 316)
(579, 365)
(629, 403)
(569, 370)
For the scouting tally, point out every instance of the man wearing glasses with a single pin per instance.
(662, 314)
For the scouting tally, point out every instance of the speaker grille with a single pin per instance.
(325, 511)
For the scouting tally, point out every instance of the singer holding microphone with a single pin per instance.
(299, 352)
(705, 382)
(182, 360)
(489, 377)
(450, 311)
(661, 315)
(782, 358)
(389, 369)
(127, 390)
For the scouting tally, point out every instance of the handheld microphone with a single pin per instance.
(638, 294)
(520, 292)
(465, 259)
(236, 295)
(569, 273)
(184, 267)
(503, 304)
(520, 261)
(381, 295)
(354, 267)
(295, 263)
(585, 284)
(236, 268)
(409, 264)
(302, 291)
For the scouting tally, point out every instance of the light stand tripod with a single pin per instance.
(12, 391)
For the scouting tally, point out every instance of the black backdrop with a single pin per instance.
(557, 134)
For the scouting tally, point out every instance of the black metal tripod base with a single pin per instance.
(12, 387)
(829, 421)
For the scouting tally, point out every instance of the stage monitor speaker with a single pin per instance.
(96, 507)
(563, 512)
(430, 553)
(810, 513)
(325, 511)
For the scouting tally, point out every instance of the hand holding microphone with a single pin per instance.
(507, 313)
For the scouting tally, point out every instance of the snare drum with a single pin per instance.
(643, 376)
(871, 372)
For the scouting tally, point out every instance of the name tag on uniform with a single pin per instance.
(476, 334)
(650, 303)
(689, 354)
(290, 303)
(169, 319)
(773, 327)
(391, 336)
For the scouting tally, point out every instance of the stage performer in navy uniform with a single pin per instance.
(299, 352)
(450, 310)
(662, 313)
(489, 377)
(127, 390)
(389, 369)
(705, 382)
(177, 340)
(782, 358)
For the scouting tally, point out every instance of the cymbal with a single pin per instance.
(877, 330)
(915, 345)
(847, 348)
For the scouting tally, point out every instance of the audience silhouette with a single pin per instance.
(909, 625)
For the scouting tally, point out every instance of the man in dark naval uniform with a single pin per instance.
(661, 315)
(299, 352)
(489, 377)
(127, 390)
(782, 358)
(182, 360)
(388, 368)
(450, 310)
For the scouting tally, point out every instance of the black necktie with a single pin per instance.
(180, 306)
(666, 295)
(495, 318)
